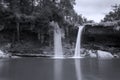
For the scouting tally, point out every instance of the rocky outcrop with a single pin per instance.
(105, 37)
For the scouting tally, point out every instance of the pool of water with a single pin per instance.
(59, 69)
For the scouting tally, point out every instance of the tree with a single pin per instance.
(113, 15)
(37, 14)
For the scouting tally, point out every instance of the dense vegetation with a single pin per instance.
(26, 20)
(113, 15)
(105, 35)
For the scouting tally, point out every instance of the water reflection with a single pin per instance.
(109, 69)
(31, 69)
(93, 67)
(4, 69)
(67, 69)
(58, 69)
(78, 69)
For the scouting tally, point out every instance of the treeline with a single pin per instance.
(113, 15)
(35, 16)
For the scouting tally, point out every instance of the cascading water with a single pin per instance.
(3, 55)
(58, 51)
(57, 41)
(78, 43)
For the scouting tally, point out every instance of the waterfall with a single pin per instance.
(57, 41)
(2, 54)
(78, 43)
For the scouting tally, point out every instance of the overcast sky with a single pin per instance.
(94, 9)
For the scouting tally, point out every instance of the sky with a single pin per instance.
(94, 9)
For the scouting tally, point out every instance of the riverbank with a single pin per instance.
(33, 49)
(30, 45)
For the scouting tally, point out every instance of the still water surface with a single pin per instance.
(59, 69)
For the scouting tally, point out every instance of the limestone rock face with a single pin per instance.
(104, 55)
(100, 35)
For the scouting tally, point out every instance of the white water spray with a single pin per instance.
(3, 55)
(78, 43)
(57, 40)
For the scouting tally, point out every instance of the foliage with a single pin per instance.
(35, 15)
(113, 15)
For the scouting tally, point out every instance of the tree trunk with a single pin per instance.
(13, 38)
(32, 9)
(18, 31)
(39, 36)
(42, 38)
